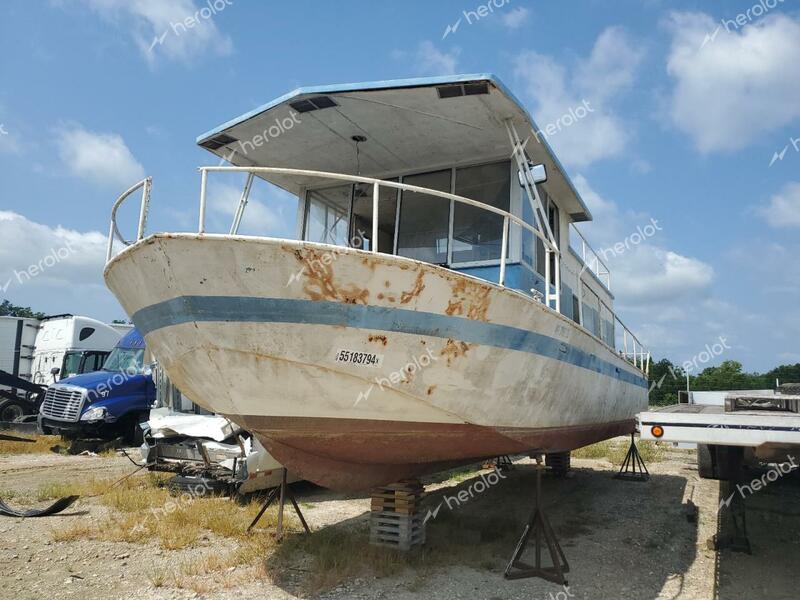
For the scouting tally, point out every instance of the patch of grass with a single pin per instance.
(463, 474)
(159, 577)
(143, 511)
(40, 445)
(614, 451)
(598, 450)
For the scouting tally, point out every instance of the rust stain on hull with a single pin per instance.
(319, 281)
(470, 299)
(381, 339)
(454, 349)
(406, 297)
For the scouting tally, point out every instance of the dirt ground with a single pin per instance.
(622, 540)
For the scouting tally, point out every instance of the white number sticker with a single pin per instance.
(365, 359)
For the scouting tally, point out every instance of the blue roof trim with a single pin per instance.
(400, 83)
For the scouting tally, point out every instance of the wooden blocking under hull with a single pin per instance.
(395, 521)
(395, 530)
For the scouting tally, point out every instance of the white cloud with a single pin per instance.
(515, 18)
(31, 276)
(429, 60)
(161, 28)
(595, 82)
(270, 211)
(783, 209)
(740, 85)
(102, 158)
(34, 254)
(644, 274)
(649, 273)
(611, 66)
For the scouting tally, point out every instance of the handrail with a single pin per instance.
(638, 357)
(585, 245)
(376, 188)
(144, 207)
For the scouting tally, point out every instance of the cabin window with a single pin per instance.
(327, 215)
(424, 223)
(361, 232)
(478, 234)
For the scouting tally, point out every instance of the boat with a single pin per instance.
(438, 306)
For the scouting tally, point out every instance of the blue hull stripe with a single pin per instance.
(186, 309)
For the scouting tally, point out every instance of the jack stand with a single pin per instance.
(539, 526)
(633, 468)
(284, 492)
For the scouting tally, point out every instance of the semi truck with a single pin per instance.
(109, 402)
(35, 353)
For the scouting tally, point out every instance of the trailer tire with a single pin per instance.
(729, 463)
(706, 461)
(11, 410)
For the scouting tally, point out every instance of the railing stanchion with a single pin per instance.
(110, 240)
(203, 184)
(376, 195)
(143, 208)
(503, 252)
(237, 217)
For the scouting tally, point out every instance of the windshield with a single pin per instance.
(72, 364)
(127, 360)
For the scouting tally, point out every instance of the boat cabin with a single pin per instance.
(464, 136)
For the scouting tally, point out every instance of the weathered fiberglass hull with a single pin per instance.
(356, 369)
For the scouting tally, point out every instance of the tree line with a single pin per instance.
(667, 379)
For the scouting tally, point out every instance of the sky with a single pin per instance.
(694, 129)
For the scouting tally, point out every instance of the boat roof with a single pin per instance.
(409, 125)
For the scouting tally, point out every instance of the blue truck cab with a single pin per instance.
(105, 403)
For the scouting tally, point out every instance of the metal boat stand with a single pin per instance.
(542, 532)
(633, 467)
(284, 492)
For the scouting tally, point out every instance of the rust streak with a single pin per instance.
(319, 279)
(406, 297)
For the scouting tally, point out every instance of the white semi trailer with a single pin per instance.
(35, 353)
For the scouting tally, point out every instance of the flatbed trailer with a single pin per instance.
(766, 424)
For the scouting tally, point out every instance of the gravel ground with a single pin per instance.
(622, 540)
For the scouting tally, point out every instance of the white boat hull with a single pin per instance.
(356, 369)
